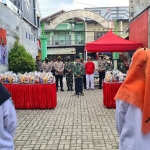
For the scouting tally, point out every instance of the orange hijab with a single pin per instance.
(136, 88)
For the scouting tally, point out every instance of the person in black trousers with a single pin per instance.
(84, 75)
(59, 71)
(102, 63)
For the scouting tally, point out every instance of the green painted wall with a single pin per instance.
(64, 34)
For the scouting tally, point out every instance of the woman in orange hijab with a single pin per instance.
(133, 104)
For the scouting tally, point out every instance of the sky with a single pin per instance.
(48, 7)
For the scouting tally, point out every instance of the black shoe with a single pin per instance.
(72, 89)
(62, 90)
(84, 87)
(100, 87)
(68, 89)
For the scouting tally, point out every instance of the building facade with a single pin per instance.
(68, 38)
(19, 26)
(120, 17)
(140, 21)
(74, 33)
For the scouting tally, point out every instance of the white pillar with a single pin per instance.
(115, 65)
(121, 27)
(86, 56)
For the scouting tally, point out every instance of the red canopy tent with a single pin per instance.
(112, 43)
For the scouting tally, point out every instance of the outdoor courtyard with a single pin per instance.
(77, 123)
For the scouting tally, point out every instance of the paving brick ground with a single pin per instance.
(75, 124)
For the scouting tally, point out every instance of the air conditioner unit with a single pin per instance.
(72, 27)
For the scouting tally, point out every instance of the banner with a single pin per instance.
(61, 51)
(3, 47)
(2, 36)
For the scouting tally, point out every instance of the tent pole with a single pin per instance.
(86, 56)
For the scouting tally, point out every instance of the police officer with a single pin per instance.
(46, 66)
(102, 63)
(59, 71)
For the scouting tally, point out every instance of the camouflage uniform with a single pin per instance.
(109, 67)
(69, 75)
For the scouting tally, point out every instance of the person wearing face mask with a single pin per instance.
(109, 66)
(78, 75)
(46, 66)
(84, 75)
(69, 74)
(59, 71)
(52, 65)
(102, 63)
(38, 64)
(90, 68)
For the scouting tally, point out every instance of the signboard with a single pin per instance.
(61, 51)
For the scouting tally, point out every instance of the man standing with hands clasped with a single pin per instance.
(78, 75)
(90, 68)
(102, 63)
(59, 70)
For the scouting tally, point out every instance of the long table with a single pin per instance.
(109, 92)
(33, 96)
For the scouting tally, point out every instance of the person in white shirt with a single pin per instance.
(133, 105)
(8, 120)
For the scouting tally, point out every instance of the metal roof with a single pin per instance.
(114, 13)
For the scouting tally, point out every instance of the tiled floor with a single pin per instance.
(77, 123)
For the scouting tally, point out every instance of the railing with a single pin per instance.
(65, 42)
(79, 42)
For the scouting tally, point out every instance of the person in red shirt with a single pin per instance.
(89, 67)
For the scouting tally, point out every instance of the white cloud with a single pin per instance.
(49, 7)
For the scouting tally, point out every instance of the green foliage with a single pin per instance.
(20, 61)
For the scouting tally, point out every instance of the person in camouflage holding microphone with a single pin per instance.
(69, 74)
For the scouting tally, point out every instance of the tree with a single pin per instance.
(20, 61)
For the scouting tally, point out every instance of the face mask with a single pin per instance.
(46, 61)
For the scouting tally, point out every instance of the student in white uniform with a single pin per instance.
(8, 120)
(133, 105)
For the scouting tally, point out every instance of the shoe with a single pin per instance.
(84, 87)
(82, 94)
(92, 89)
(68, 90)
(87, 89)
(72, 89)
(100, 87)
(62, 90)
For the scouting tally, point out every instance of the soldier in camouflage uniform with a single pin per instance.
(69, 74)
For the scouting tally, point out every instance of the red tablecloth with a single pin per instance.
(109, 92)
(30, 96)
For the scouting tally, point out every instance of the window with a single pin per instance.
(97, 35)
(26, 35)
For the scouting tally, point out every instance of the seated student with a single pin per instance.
(8, 120)
(133, 104)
